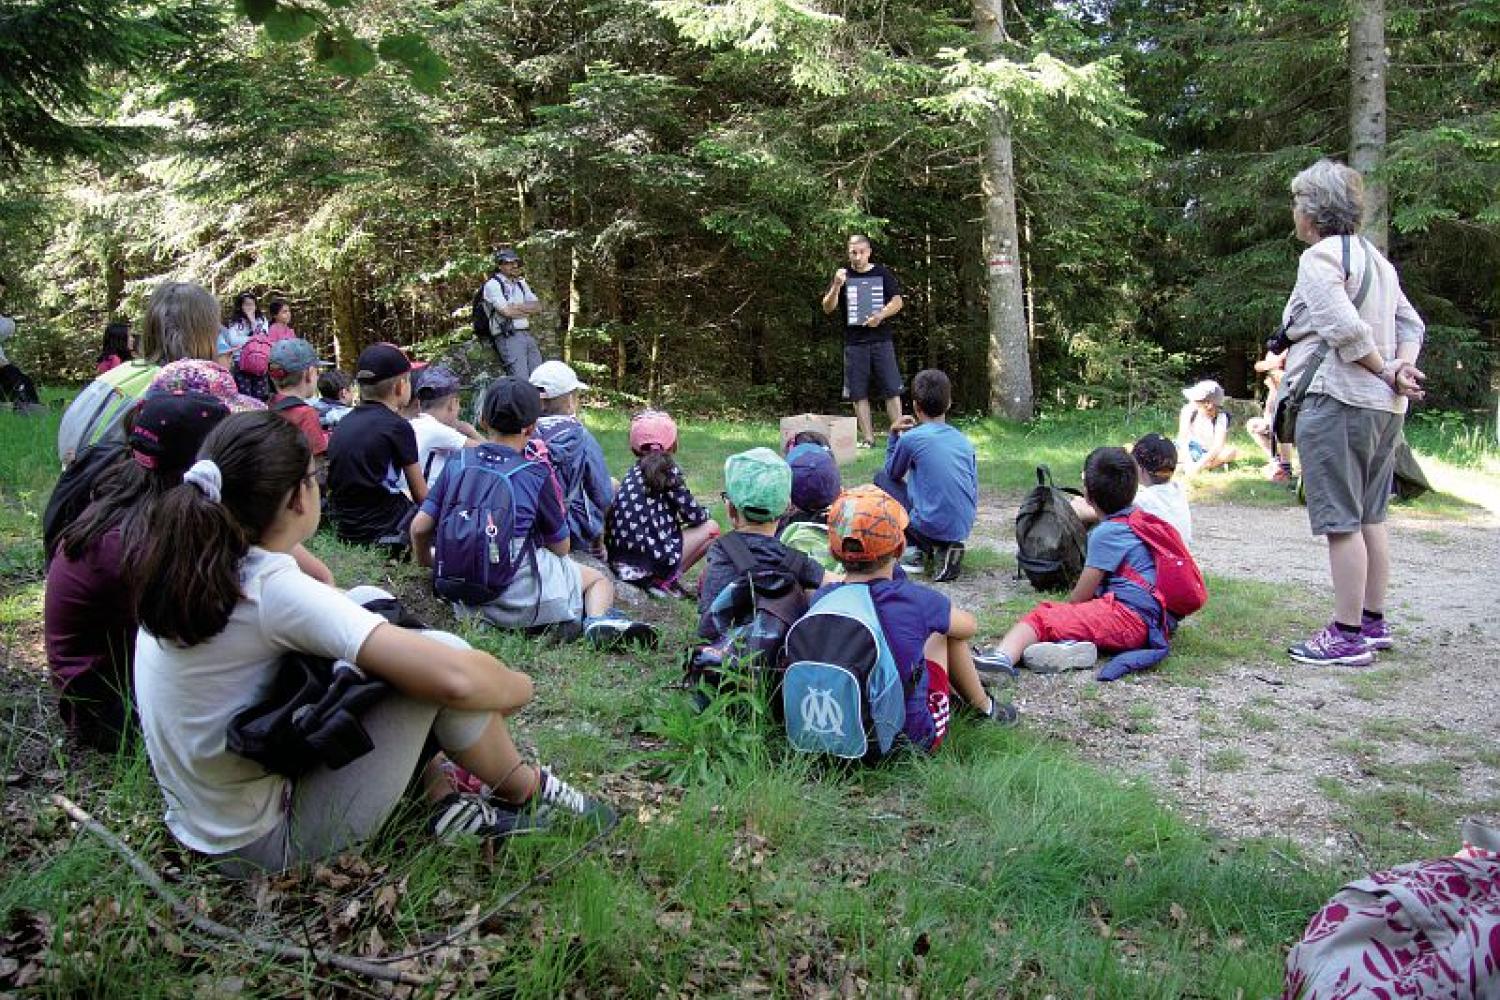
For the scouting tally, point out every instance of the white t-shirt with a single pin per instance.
(436, 441)
(500, 291)
(217, 800)
(1169, 502)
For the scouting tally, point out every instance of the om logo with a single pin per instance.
(821, 714)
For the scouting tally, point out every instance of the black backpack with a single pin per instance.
(745, 628)
(479, 314)
(1050, 539)
(75, 490)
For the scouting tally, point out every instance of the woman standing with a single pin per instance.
(1355, 341)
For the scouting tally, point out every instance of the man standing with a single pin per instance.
(511, 303)
(867, 295)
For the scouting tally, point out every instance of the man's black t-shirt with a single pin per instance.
(861, 295)
(367, 458)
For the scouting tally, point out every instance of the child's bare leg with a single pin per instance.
(695, 544)
(494, 759)
(598, 592)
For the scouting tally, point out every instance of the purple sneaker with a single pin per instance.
(1376, 632)
(1330, 646)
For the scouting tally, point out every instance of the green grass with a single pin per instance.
(1004, 865)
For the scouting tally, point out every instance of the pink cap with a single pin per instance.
(652, 430)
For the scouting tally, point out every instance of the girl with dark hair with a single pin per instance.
(655, 531)
(243, 323)
(88, 614)
(119, 346)
(221, 601)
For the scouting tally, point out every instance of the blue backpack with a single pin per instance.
(842, 693)
(474, 560)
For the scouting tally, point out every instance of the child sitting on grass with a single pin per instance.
(576, 456)
(293, 368)
(439, 430)
(222, 602)
(757, 484)
(930, 469)
(335, 398)
(547, 589)
(655, 531)
(1112, 607)
(1157, 492)
(928, 637)
(374, 453)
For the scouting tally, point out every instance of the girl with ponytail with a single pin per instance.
(222, 600)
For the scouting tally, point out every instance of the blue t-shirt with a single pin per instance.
(538, 500)
(909, 614)
(1111, 544)
(942, 479)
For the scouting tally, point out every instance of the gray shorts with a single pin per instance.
(1348, 457)
(550, 594)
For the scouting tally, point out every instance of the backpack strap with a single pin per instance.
(289, 403)
(738, 552)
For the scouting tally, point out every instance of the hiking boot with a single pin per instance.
(1055, 657)
(466, 814)
(1376, 632)
(995, 661)
(946, 563)
(556, 799)
(1331, 646)
(613, 630)
(914, 560)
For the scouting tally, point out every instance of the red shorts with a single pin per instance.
(1104, 621)
(938, 702)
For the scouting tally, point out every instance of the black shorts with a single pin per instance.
(870, 371)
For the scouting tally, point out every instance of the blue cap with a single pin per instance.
(815, 477)
(437, 381)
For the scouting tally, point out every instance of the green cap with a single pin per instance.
(759, 483)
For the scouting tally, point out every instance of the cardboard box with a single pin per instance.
(840, 431)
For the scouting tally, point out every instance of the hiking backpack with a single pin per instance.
(1179, 583)
(746, 626)
(474, 560)
(1050, 539)
(98, 412)
(841, 693)
(479, 316)
(811, 539)
(74, 491)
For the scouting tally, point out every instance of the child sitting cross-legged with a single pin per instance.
(523, 578)
(1112, 607)
(928, 637)
(293, 368)
(373, 454)
(656, 531)
(757, 484)
(1156, 491)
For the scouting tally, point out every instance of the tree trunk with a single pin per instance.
(1367, 66)
(1009, 352)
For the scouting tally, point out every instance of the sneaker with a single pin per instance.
(464, 814)
(658, 592)
(1279, 472)
(914, 560)
(1331, 646)
(613, 630)
(1376, 632)
(555, 798)
(1055, 657)
(1002, 713)
(995, 661)
(946, 563)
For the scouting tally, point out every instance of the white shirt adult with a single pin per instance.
(218, 801)
(512, 298)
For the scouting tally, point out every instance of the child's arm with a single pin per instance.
(897, 455)
(1087, 586)
(428, 670)
(312, 565)
(474, 438)
(423, 528)
(416, 482)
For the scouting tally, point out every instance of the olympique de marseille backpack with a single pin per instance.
(841, 694)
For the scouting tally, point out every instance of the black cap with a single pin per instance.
(169, 427)
(1156, 454)
(379, 362)
(511, 405)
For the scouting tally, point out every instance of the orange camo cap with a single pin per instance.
(865, 524)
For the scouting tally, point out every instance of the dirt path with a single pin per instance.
(1255, 749)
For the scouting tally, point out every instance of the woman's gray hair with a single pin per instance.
(1332, 196)
(182, 321)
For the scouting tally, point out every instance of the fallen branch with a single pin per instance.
(212, 928)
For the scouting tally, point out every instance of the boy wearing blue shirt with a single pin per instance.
(928, 637)
(549, 589)
(1112, 607)
(931, 470)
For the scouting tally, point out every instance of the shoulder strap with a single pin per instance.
(738, 552)
(289, 403)
(1043, 475)
(1364, 280)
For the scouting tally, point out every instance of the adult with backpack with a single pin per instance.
(502, 310)
(1351, 373)
(182, 321)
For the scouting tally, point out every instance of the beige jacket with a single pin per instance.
(1325, 314)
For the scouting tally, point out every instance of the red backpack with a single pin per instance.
(1179, 582)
